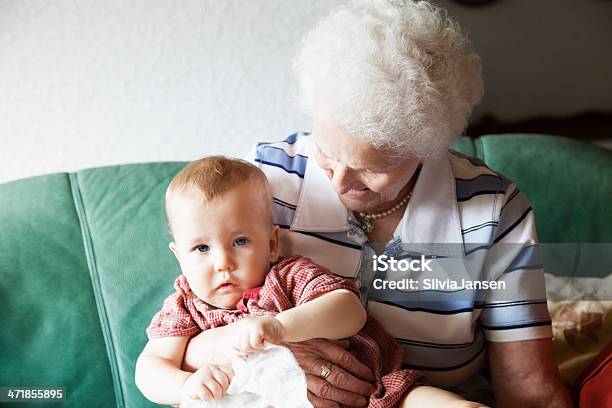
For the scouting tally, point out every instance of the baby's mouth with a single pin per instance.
(224, 286)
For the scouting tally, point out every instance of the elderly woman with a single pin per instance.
(390, 85)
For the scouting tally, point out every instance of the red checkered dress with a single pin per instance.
(292, 281)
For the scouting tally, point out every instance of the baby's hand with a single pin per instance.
(254, 330)
(208, 383)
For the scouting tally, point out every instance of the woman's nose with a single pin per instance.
(223, 261)
(341, 179)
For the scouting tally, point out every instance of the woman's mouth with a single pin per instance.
(357, 194)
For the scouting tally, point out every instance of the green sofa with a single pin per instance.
(84, 261)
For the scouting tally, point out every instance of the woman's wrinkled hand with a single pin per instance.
(349, 383)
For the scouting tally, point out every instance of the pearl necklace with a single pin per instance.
(369, 218)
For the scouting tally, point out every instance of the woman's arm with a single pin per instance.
(215, 346)
(524, 374)
(334, 315)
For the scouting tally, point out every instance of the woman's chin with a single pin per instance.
(358, 202)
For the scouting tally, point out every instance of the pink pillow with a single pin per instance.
(593, 387)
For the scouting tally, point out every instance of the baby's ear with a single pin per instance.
(172, 247)
(275, 244)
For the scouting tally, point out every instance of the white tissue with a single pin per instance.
(271, 378)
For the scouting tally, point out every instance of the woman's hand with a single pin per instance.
(348, 383)
(208, 383)
(252, 331)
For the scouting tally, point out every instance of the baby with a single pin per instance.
(220, 216)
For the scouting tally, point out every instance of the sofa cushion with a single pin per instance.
(122, 210)
(465, 145)
(50, 328)
(568, 183)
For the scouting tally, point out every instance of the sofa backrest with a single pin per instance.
(567, 182)
(51, 334)
(85, 264)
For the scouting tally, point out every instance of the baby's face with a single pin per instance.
(224, 246)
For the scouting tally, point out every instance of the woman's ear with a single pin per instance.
(275, 244)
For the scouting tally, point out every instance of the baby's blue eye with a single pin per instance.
(202, 248)
(241, 241)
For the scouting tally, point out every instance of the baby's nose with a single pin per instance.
(223, 262)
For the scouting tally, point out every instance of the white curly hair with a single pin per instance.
(399, 74)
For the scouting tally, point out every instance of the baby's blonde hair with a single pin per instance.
(213, 176)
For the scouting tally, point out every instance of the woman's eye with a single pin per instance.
(202, 248)
(241, 241)
(370, 174)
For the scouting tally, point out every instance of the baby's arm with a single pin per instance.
(157, 373)
(161, 381)
(334, 315)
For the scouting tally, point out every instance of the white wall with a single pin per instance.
(89, 83)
